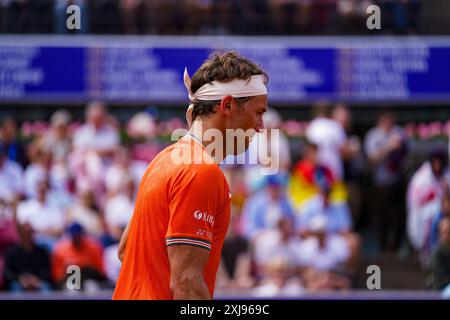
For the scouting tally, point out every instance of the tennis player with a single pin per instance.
(171, 248)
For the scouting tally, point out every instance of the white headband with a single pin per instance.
(237, 88)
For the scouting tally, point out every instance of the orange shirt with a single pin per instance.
(185, 203)
(66, 254)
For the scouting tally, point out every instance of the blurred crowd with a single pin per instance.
(67, 192)
(218, 17)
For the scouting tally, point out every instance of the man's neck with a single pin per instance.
(198, 130)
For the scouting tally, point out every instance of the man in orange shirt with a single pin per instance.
(172, 246)
(80, 250)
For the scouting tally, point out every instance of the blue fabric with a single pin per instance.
(434, 232)
(255, 212)
(337, 214)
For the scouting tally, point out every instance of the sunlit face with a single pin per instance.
(247, 116)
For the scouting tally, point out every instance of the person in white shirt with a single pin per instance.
(121, 171)
(119, 209)
(11, 178)
(46, 218)
(330, 137)
(425, 192)
(40, 166)
(94, 146)
(275, 257)
(97, 134)
(323, 257)
(323, 251)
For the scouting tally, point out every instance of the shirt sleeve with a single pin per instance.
(195, 197)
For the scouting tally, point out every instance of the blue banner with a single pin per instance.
(149, 69)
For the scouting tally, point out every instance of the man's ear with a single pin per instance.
(189, 116)
(225, 105)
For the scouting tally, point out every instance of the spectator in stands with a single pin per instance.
(119, 173)
(10, 193)
(265, 208)
(307, 177)
(338, 220)
(425, 193)
(41, 163)
(440, 258)
(385, 147)
(57, 140)
(330, 137)
(98, 134)
(27, 265)
(323, 257)
(444, 212)
(15, 150)
(338, 215)
(119, 208)
(95, 144)
(80, 250)
(275, 257)
(235, 270)
(11, 190)
(86, 213)
(11, 178)
(353, 160)
(279, 281)
(275, 240)
(45, 216)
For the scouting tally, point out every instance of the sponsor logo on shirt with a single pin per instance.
(203, 232)
(198, 215)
